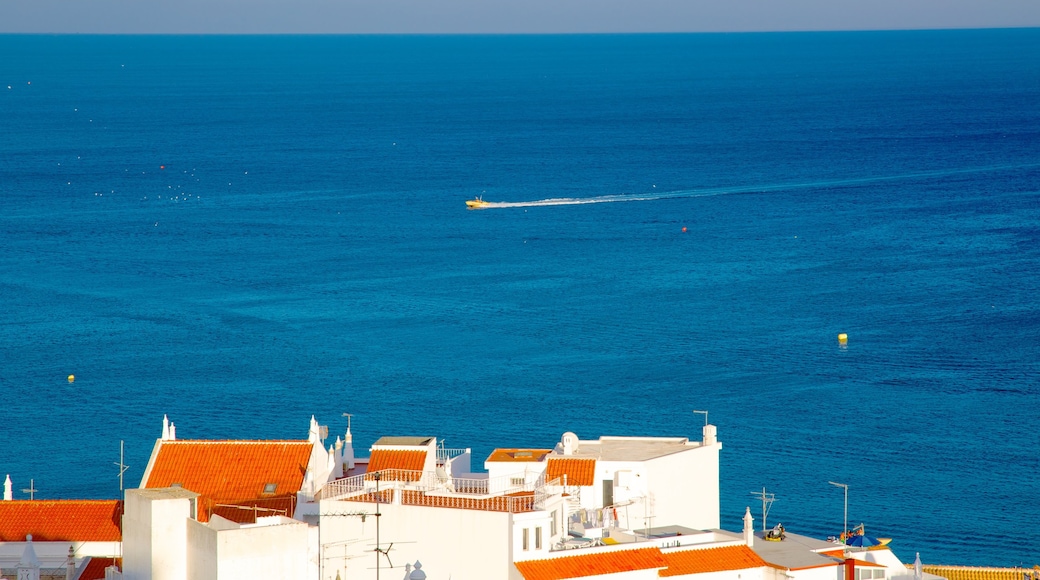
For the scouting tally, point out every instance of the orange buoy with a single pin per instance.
(684, 229)
(162, 167)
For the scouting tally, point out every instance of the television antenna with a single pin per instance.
(767, 502)
(32, 489)
(122, 467)
(705, 413)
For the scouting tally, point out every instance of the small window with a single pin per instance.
(176, 484)
(270, 487)
(527, 539)
(552, 529)
(538, 538)
(516, 481)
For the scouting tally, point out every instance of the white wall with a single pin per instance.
(529, 470)
(462, 544)
(54, 554)
(154, 534)
(749, 574)
(820, 573)
(684, 488)
(255, 551)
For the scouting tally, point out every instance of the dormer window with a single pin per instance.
(177, 484)
(269, 488)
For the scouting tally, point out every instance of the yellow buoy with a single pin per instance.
(72, 378)
(843, 338)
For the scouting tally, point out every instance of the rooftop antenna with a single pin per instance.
(767, 502)
(348, 416)
(122, 467)
(705, 413)
(32, 489)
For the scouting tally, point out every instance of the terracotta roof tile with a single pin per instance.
(60, 520)
(246, 512)
(596, 564)
(410, 460)
(518, 455)
(229, 472)
(681, 562)
(579, 471)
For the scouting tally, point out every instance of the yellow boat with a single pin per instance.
(476, 203)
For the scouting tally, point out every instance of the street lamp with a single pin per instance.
(845, 529)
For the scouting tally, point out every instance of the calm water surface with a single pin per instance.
(241, 232)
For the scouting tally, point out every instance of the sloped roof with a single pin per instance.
(579, 470)
(95, 568)
(518, 455)
(230, 472)
(611, 562)
(682, 562)
(396, 459)
(61, 520)
(404, 441)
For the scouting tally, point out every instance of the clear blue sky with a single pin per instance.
(504, 16)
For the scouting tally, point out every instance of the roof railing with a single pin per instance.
(434, 483)
(444, 454)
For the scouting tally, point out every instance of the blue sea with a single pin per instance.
(244, 231)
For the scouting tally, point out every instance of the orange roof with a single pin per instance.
(579, 471)
(518, 455)
(230, 472)
(591, 564)
(710, 560)
(60, 520)
(95, 568)
(411, 460)
(246, 512)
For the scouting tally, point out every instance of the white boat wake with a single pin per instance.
(760, 188)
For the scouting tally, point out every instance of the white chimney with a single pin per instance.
(569, 442)
(70, 565)
(749, 528)
(173, 431)
(708, 432)
(29, 565)
(165, 428)
(8, 493)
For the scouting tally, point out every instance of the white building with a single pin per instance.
(613, 508)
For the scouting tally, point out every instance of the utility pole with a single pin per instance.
(767, 502)
(379, 498)
(122, 468)
(32, 489)
(845, 524)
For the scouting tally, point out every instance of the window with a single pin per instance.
(538, 538)
(270, 487)
(870, 573)
(516, 481)
(552, 529)
(527, 539)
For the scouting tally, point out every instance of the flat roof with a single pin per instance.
(518, 455)
(633, 448)
(794, 551)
